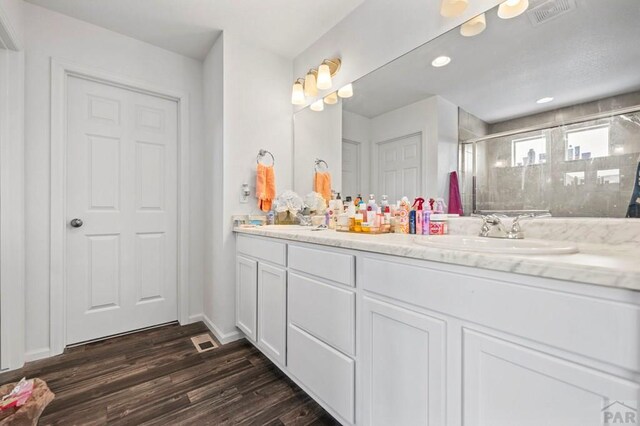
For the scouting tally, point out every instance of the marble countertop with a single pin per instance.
(600, 264)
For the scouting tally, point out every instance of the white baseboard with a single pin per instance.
(224, 338)
(36, 354)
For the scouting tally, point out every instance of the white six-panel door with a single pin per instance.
(121, 174)
(399, 167)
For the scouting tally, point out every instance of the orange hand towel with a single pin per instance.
(265, 186)
(323, 185)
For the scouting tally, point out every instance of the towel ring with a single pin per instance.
(318, 163)
(317, 166)
(263, 153)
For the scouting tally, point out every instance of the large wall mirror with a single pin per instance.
(537, 112)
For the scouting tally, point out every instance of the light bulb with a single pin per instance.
(474, 26)
(317, 105)
(346, 91)
(310, 87)
(512, 8)
(331, 98)
(544, 100)
(297, 93)
(453, 8)
(441, 61)
(324, 77)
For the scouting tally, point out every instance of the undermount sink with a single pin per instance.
(496, 245)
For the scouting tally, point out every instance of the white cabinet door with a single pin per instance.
(403, 366)
(507, 384)
(272, 311)
(246, 296)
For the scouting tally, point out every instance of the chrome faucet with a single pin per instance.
(492, 226)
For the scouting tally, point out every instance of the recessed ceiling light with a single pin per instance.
(441, 61)
(544, 100)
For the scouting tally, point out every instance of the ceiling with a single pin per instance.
(190, 27)
(587, 53)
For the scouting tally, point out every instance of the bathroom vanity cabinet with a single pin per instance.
(381, 339)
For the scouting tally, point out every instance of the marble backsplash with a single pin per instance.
(580, 230)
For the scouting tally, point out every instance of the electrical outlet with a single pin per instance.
(245, 194)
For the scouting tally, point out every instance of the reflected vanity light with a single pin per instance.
(441, 61)
(310, 87)
(619, 149)
(297, 93)
(331, 98)
(512, 8)
(453, 8)
(317, 105)
(346, 91)
(545, 100)
(474, 26)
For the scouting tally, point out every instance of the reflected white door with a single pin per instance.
(399, 167)
(122, 183)
(350, 168)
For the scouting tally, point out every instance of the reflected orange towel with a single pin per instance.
(265, 186)
(323, 185)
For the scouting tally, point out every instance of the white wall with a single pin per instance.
(256, 114)
(48, 34)
(357, 128)
(379, 31)
(318, 135)
(213, 75)
(12, 267)
(437, 120)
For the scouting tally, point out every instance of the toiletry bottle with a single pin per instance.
(379, 220)
(357, 222)
(426, 221)
(441, 207)
(412, 222)
(351, 213)
(531, 157)
(417, 205)
(372, 206)
(387, 218)
(362, 209)
(403, 217)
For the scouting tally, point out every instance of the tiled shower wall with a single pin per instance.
(582, 187)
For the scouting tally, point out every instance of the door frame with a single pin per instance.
(12, 245)
(61, 70)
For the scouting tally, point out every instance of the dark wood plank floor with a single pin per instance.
(156, 377)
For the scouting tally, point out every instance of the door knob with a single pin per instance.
(76, 223)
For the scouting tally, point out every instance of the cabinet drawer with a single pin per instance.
(325, 311)
(332, 266)
(271, 251)
(326, 372)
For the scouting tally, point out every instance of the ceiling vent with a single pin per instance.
(542, 11)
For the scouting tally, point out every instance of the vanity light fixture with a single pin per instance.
(512, 8)
(441, 61)
(545, 100)
(453, 8)
(326, 70)
(474, 26)
(310, 87)
(317, 105)
(331, 98)
(297, 93)
(346, 91)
